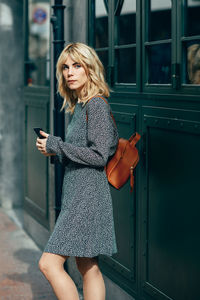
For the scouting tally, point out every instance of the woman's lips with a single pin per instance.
(71, 81)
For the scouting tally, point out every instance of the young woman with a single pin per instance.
(85, 226)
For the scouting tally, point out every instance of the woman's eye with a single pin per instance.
(65, 67)
(77, 66)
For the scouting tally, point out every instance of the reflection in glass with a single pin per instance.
(103, 55)
(38, 50)
(127, 23)
(193, 63)
(101, 24)
(159, 57)
(192, 11)
(126, 70)
(160, 20)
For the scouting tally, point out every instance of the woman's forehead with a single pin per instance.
(70, 59)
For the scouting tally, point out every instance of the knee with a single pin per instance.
(87, 266)
(44, 266)
(51, 264)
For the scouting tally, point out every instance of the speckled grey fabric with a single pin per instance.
(85, 226)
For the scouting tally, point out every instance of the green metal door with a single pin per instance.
(36, 100)
(170, 261)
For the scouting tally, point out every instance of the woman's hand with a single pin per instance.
(41, 144)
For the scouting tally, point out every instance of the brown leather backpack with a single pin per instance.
(122, 164)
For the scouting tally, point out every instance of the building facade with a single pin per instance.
(151, 53)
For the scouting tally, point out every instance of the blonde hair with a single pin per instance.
(89, 60)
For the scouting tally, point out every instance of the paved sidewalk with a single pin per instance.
(20, 278)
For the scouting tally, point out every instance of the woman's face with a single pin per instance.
(74, 75)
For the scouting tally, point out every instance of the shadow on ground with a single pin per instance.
(39, 286)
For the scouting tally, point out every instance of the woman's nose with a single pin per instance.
(70, 71)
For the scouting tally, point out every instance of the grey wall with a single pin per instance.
(79, 21)
(11, 103)
(75, 21)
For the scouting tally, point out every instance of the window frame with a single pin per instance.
(111, 68)
(176, 87)
(157, 88)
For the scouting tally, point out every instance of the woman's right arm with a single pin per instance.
(102, 138)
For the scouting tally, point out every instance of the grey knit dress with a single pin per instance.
(85, 226)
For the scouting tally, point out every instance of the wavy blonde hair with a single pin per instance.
(95, 85)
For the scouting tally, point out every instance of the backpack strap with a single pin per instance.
(134, 138)
(106, 103)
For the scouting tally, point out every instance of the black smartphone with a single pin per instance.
(37, 131)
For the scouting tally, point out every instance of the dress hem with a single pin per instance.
(60, 252)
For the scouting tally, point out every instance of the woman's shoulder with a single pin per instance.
(98, 101)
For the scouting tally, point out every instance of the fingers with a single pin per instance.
(42, 150)
(44, 134)
(41, 141)
(41, 145)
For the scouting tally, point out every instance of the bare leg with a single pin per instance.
(93, 282)
(52, 266)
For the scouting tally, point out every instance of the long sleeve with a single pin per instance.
(102, 138)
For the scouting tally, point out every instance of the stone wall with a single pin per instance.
(11, 103)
